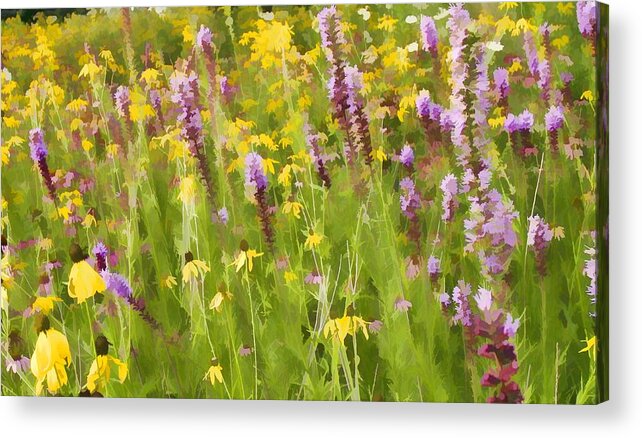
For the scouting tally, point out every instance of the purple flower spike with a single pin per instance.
(204, 38)
(484, 299)
(554, 118)
(502, 86)
(123, 101)
(407, 156)
(434, 267)
(587, 18)
(429, 36)
(449, 203)
(39, 154)
(100, 252)
(510, 326)
(539, 237)
(117, 284)
(254, 173)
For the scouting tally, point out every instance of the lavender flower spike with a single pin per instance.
(429, 36)
(255, 177)
(39, 154)
(539, 237)
(554, 120)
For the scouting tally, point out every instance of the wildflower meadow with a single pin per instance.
(399, 202)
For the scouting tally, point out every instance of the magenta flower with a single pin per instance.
(463, 314)
(510, 326)
(313, 278)
(204, 38)
(318, 159)
(245, 350)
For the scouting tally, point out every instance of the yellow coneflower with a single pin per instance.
(193, 268)
(339, 328)
(313, 240)
(50, 357)
(293, 208)
(100, 370)
(591, 347)
(169, 282)
(214, 373)
(44, 305)
(84, 281)
(246, 256)
(187, 190)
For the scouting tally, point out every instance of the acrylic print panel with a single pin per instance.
(353, 202)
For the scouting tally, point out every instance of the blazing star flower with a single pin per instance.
(463, 314)
(84, 281)
(587, 18)
(100, 370)
(39, 154)
(339, 328)
(434, 267)
(449, 203)
(50, 358)
(484, 299)
(117, 284)
(318, 158)
(429, 36)
(510, 326)
(502, 85)
(539, 236)
(246, 256)
(531, 53)
(214, 373)
(100, 252)
(255, 178)
(407, 156)
(409, 198)
(193, 268)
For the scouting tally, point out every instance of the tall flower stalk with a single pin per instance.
(39, 154)
(255, 178)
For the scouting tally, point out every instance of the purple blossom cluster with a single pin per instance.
(539, 237)
(429, 35)
(410, 204)
(489, 231)
(501, 86)
(519, 128)
(39, 154)
(184, 88)
(449, 203)
(318, 158)
(407, 157)
(100, 252)
(344, 87)
(587, 18)
(434, 267)
(256, 178)
(554, 120)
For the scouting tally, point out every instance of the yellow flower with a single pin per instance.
(89, 220)
(591, 347)
(194, 268)
(90, 70)
(214, 373)
(49, 359)
(44, 304)
(187, 190)
(378, 155)
(313, 240)
(246, 256)
(292, 207)
(339, 328)
(170, 281)
(45, 244)
(100, 372)
(84, 281)
(289, 276)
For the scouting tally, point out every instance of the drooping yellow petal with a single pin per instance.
(84, 282)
